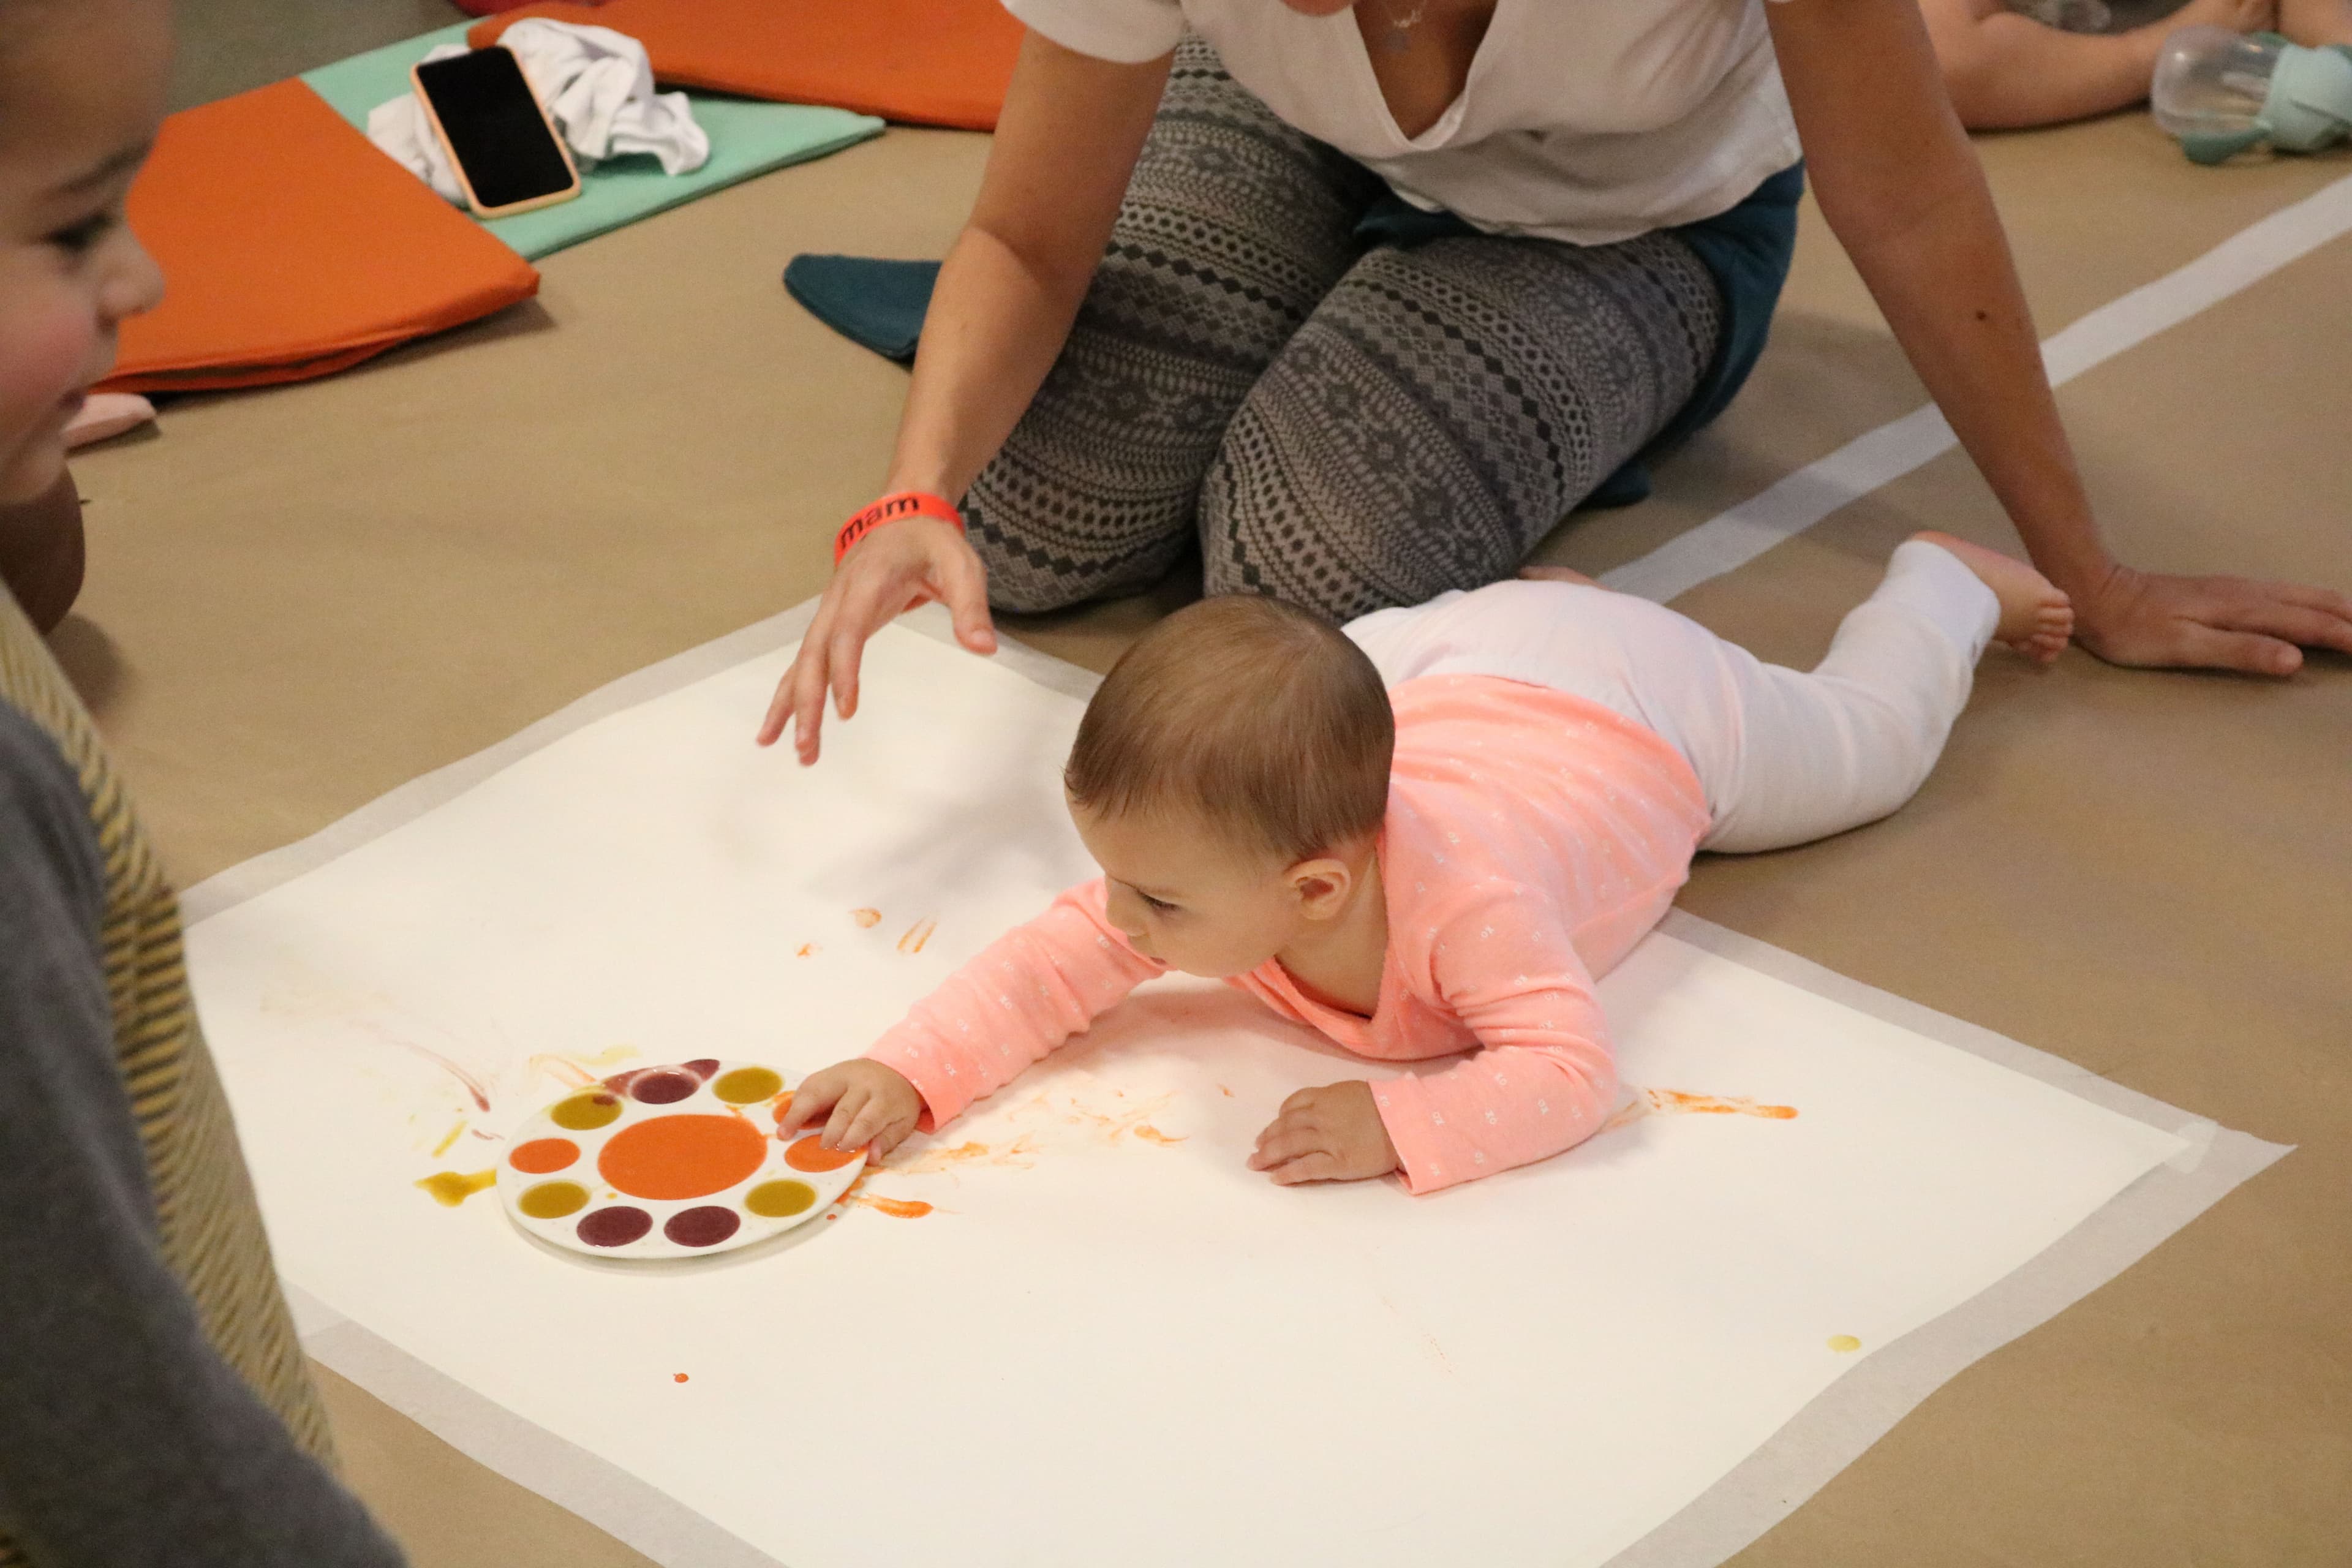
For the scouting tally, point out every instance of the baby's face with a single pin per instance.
(81, 92)
(1185, 897)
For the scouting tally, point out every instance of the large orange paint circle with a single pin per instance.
(670, 1157)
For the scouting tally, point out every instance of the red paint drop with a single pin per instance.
(704, 1227)
(663, 1086)
(614, 1226)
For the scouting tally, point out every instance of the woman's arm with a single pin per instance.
(1065, 146)
(2005, 71)
(1903, 191)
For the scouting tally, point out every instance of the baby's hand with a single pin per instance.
(1328, 1134)
(869, 1104)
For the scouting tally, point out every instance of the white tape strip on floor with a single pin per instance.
(1731, 540)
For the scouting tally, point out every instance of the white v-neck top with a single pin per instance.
(1585, 121)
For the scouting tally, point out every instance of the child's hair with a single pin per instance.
(1261, 721)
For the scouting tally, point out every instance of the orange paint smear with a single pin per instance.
(1153, 1135)
(1016, 1155)
(563, 1070)
(1675, 1102)
(869, 919)
(783, 1103)
(896, 1208)
(674, 1157)
(806, 949)
(917, 935)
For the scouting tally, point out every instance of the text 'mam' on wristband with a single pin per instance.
(895, 507)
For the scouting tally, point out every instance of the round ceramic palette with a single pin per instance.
(669, 1162)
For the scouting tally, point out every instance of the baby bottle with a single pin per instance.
(2222, 92)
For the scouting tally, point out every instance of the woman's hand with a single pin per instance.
(1328, 1134)
(2213, 623)
(865, 1105)
(885, 575)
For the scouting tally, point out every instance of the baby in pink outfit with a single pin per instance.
(1425, 836)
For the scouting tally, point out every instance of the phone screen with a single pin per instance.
(494, 127)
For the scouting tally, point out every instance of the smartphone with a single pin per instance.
(507, 154)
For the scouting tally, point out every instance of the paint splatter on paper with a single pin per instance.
(1677, 1102)
(1844, 1344)
(451, 1137)
(869, 919)
(450, 1188)
(1153, 1135)
(917, 935)
(807, 949)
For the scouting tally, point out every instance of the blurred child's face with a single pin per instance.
(81, 92)
(1185, 896)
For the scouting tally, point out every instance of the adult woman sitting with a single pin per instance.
(1365, 296)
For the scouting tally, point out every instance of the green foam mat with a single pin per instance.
(747, 138)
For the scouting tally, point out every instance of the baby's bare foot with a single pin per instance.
(1555, 574)
(2036, 618)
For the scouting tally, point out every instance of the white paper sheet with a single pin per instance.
(1109, 1341)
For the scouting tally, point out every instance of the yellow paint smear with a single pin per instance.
(450, 1137)
(450, 1188)
(1844, 1343)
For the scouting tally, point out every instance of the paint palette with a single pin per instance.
(669, 1162)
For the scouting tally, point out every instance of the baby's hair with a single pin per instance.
(1263, 722)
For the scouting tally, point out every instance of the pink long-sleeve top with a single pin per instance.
(1531, 839)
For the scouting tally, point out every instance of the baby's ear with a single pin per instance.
(1320, 885)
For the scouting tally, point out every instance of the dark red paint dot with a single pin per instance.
(704, 1227)
(614, 1226)
(663, 1086)
(703, 1068)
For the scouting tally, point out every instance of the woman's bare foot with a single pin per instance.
(2036, 618)
(1555, 574)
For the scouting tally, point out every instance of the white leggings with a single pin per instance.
(1784, 756)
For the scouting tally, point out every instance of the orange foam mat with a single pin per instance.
(924, 62)
(293, 248)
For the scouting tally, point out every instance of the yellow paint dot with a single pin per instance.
(553, 1200)
(745, 1085)
(1842, 1343)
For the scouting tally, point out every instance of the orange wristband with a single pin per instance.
(895, 507)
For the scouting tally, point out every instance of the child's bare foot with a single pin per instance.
(2036, 618)
(1555, 574)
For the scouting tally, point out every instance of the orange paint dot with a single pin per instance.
(678, 1377)
(541, 1155)
(811, 1155)
(671, 1157)
(869, 918)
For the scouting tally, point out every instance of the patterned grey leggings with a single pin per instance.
(1342, 429)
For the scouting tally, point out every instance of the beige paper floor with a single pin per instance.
(304, 598)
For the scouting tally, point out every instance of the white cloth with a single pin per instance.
(1784, 756)
(596, 84)
(1585, 123)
